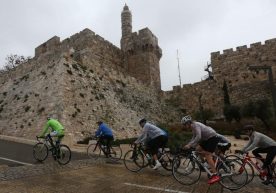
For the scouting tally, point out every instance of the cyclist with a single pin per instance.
(154, 138)
(205, 140)
(105, 135)
(57, 130)
(261, 144)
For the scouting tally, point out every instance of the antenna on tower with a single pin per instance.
(178, 68)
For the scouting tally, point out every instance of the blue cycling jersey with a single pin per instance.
(104, 130)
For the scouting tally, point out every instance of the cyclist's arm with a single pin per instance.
(98, 132)
(142, 137)
(196, 137)
(45, 130)
(251, 144)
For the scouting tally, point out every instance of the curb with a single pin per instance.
(17, 139)
(79, 149)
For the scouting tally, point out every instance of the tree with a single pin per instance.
(232, 112)
(204, 114)
(260, 109)
(226, 94)
(13, 60)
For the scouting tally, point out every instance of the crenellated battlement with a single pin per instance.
(143, 40)
(242, 49)
(51, 44)
(84, 39)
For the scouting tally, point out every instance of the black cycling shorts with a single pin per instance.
(210, 144)
(156, 143)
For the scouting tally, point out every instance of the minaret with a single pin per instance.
(126, 19)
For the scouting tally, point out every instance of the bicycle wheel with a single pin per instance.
(247, 165)
(133, 161)
(115, 153)
(63, 154)
(231, 177)
(93, 151)
(185, 170)
(40, 151)
(166, 161)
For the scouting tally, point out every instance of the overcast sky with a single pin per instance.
(194, 27)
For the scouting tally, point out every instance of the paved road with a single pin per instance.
(86, 176)
(12, 154)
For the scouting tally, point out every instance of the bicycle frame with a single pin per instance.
(99, 145)
(140, 149)
(48, 141)
(248, 159)
(217, 160)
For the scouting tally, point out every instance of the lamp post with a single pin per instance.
(270, 79)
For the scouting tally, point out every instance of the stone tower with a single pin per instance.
(126, 20)
(141, 52)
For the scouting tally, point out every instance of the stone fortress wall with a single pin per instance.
(233, 67)
(80, 80)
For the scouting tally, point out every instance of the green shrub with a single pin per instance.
(206, 114)
(260, 109)
(232, 112)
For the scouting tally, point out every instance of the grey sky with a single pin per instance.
(194, 27)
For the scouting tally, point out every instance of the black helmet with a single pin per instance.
(143, 120)
(99, 122)
(249, 128)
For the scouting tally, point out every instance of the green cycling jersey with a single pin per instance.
(55, 125)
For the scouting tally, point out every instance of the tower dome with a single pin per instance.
(126, 19)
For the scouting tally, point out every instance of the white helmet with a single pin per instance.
(186, 119)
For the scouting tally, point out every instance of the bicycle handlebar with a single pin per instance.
(95, 138)
(242, 153)
(38, 137)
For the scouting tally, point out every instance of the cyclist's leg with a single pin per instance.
(52, 134)
(157, 143)
(271, 152)
(109, 139)
(256, 152)
(163, 143)
(208, 147)
(102, 140)
(152, 148)
(59, 138)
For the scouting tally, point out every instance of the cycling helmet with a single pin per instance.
(99, 122)
(186, 119)
(248, 128)
(143, 120)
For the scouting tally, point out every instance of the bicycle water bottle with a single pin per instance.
(104, 147)
(206, 165)
(259, 164)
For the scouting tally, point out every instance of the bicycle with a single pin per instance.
(61, 153)
(252, 166)
(96, 149)
(136, 159)
(187, 168)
